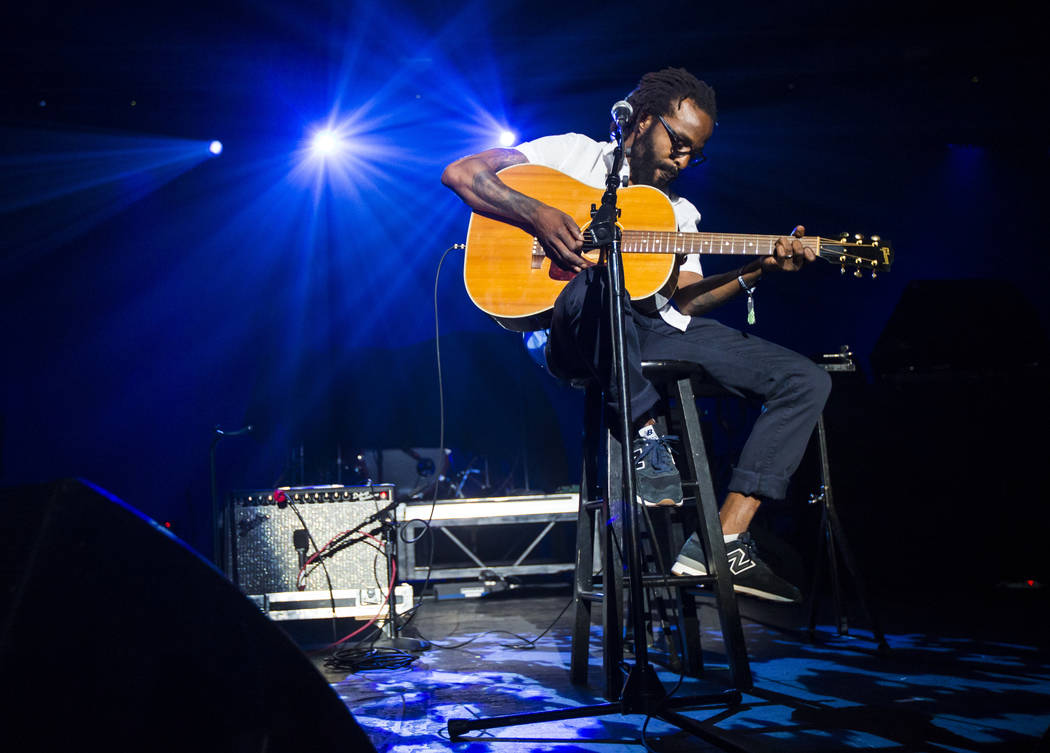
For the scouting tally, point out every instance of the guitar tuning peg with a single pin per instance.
(858, 237)
(875, 240)
(844, 235)
(873, 274)
(842, 269)
(857, 273)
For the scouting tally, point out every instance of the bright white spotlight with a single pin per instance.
(338, 154)
(507, 138)
(215, 147)
(327, 143)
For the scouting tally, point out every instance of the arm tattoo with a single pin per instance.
(495, 192)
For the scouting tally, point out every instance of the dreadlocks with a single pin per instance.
(659, 92)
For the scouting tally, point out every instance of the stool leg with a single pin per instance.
(612, 578)
(710, 532)
(585, 527)
(584, 584)
(693, 657)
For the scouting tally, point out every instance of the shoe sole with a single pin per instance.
(764, 595)
(666, 502)
(688, 567)
(691, 568)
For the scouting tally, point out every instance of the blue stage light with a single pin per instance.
(215, 147)
(327, 143)
(336, 153)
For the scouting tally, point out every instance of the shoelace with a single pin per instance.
(748, 545)
(659, 452)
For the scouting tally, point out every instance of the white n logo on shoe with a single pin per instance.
(739, 561)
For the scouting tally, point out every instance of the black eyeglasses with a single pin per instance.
(678, 147)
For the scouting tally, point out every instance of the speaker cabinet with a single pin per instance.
(114, 635)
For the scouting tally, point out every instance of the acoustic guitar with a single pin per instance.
(508, 276)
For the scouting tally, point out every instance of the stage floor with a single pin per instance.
(965, 673)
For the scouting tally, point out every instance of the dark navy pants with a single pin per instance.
(791, 388)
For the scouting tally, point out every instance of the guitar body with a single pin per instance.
(507, 275)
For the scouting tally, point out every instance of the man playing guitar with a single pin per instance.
(673, 118)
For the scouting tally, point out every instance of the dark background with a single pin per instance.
(152, 293)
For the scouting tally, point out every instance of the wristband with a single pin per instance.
(750, 298)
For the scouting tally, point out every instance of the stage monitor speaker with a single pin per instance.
(116, 636)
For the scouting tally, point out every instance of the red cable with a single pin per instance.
(389, 593)
(317, 554)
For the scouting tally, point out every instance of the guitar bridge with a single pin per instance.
(537, 254)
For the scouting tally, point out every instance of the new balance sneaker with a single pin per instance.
(751, 576)
(657, 481)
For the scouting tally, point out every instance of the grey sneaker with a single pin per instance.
(657, 481)
(751, 576)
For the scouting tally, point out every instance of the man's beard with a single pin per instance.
(646, 168)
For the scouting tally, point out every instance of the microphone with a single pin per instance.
(301, 542)
(621, 112)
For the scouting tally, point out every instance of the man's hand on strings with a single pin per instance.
(790, 255)
(560, 237)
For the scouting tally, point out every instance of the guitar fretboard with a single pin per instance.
(661, 242)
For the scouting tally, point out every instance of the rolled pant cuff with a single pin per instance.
(760, 485)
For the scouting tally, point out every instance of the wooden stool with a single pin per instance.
(599, 520)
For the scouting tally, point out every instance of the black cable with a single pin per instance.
(327, 577)
(375, 572)
(526, 643)
(441, 428)
(361, 659)
(426, 527)
(645, 726)
(341, 542)
(532, 643)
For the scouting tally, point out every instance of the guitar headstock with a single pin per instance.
(858, 253)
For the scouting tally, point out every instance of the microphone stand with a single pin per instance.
(393, 639)
(642, 692)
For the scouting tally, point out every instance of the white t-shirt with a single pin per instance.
(589, 161)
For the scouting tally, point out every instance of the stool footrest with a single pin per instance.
(590, 595)
(676, 581)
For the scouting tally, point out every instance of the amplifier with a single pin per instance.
(267, 544)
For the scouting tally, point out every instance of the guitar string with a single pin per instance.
(644, 242)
